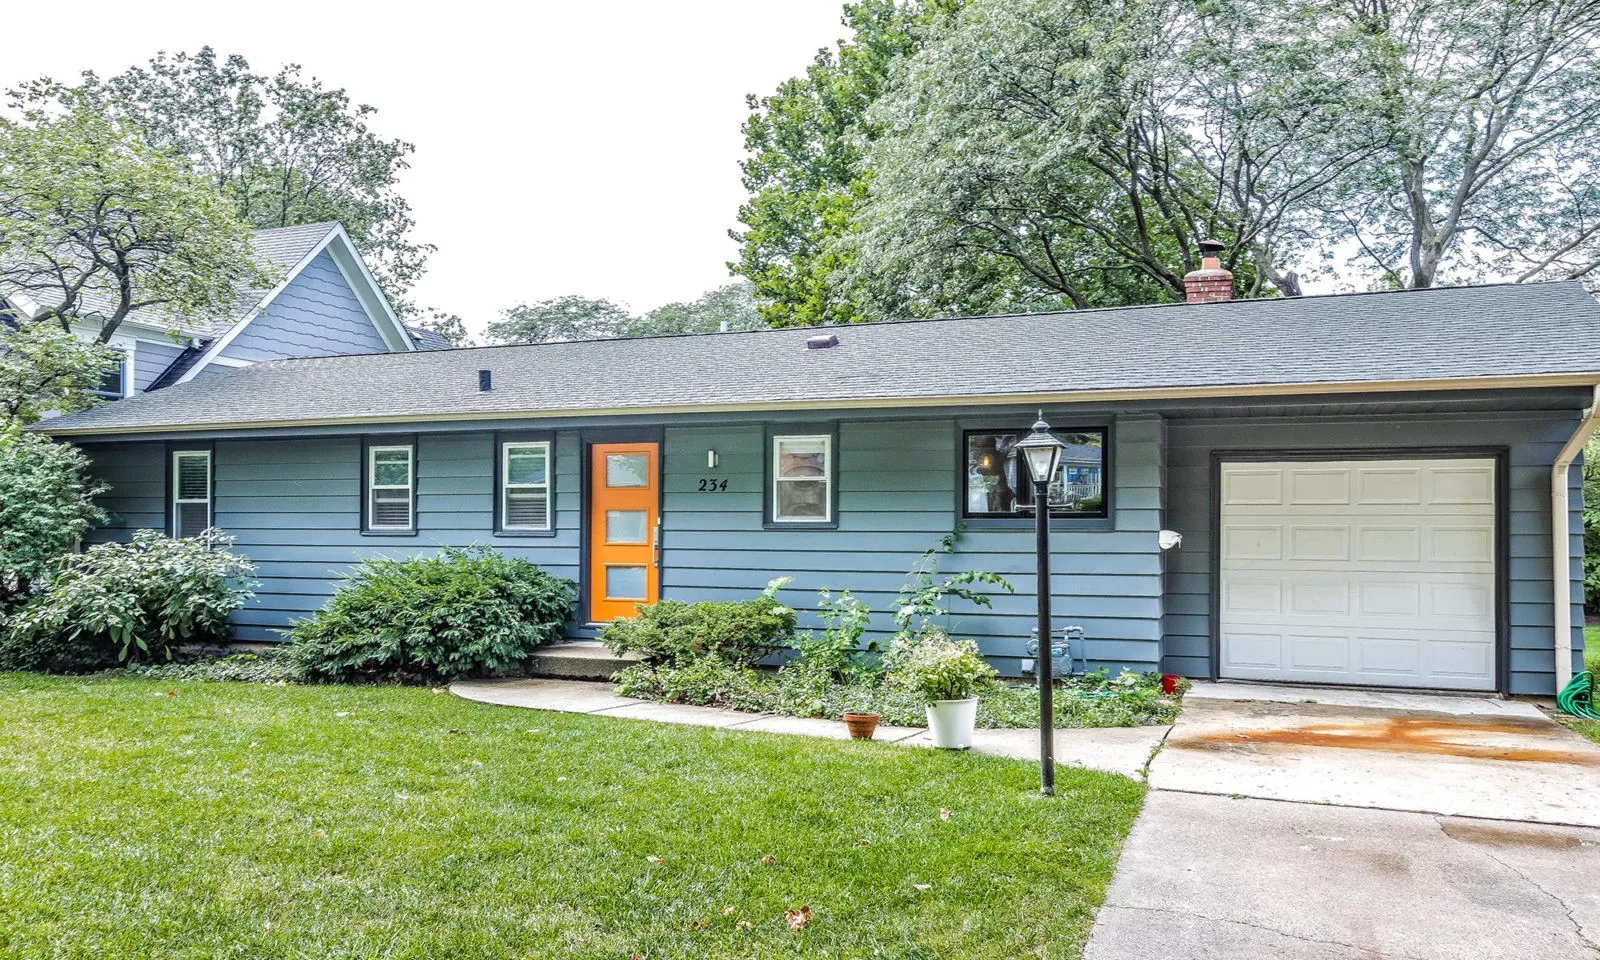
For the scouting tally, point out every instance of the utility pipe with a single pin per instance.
(1561, 539)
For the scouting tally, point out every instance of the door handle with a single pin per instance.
(655, 546)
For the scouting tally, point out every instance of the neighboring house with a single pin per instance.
(1362, 482)
(325, 303)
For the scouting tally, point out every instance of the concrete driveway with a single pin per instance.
(1317, 824)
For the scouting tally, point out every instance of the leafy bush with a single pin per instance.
(938, 668)
(129, 601)
(675, 633)
(464, 611)
(46, 505)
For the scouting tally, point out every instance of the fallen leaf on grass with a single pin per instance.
(726, 910)
(655, 860)
(769, 859)
(798, 918)
(944, 814)
(863, 842)
(320, 834)
(698, 925)
(438, 689)
(742, 925)
(172, 693)
(923, 886)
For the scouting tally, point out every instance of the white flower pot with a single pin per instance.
(952, 721)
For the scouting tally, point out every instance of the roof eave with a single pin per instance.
(1316, 388)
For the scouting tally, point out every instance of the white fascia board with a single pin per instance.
(222, 342)
(354, 269)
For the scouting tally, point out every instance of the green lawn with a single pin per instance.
(1591, 660)
(234, 820)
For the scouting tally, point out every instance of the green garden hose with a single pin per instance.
(1578, 698)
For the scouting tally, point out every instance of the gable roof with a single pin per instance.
(305, 243)
(1545, 334)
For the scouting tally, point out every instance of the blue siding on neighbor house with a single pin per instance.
(1532, 438)
(294, 506)
(150, 359)
(315, 315)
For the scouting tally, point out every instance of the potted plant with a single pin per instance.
(861, 723)
(948, 675)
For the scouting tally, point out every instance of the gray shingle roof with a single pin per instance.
(1336, 342)
(427, 339)
(275, 248)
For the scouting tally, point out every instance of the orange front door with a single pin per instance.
(624, 528)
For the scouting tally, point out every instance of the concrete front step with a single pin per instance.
(579, 660)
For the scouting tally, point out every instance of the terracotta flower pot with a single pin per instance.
(861, 725)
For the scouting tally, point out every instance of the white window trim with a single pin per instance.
(126, 365)
(373, 485)
(826, 478)
(178, 500)
(506, 486)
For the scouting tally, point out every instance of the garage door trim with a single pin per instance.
(1502, 548)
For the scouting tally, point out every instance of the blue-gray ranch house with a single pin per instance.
(1363, 483)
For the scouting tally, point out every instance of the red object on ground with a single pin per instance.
(1169, 683)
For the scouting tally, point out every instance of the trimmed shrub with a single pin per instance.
(129, 602)
(464, 611)
(675, 633)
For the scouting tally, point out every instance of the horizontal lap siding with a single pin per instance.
(150, 360)
(294, 507)
(136, 475)
(897, 497)
(1533, 440)
(315, 315)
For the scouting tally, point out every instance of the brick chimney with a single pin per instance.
(1211, 283)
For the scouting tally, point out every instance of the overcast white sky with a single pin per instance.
(561, 147)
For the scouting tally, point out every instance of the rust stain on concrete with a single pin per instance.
(1437, 734)
(1498, 836)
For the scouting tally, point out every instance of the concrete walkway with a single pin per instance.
(1321, 824)
(1123, 750)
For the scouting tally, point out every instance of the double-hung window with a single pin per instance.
(997, 483)
(802, 479)
(191, 492)
(525, 502)
(391, 488)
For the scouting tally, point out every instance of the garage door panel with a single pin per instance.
(1374, 572)
(1253, 542)
(1319, 487)
(1388, 544)
(1247, 651)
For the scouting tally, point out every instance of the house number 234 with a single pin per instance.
(713, 485)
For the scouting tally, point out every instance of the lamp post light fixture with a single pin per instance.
(1043, 454)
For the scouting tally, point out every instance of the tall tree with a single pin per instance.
(1072, 152)
(560, 319)
(1490, 114)
(804, 171)
(95, 224)
(44, 368)
(731, 307)
(285, 149)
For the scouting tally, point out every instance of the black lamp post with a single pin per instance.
(1043, 454)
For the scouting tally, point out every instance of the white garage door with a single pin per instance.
(1376, 572)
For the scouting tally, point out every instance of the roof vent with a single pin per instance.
(822, 342)
(485, 381)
